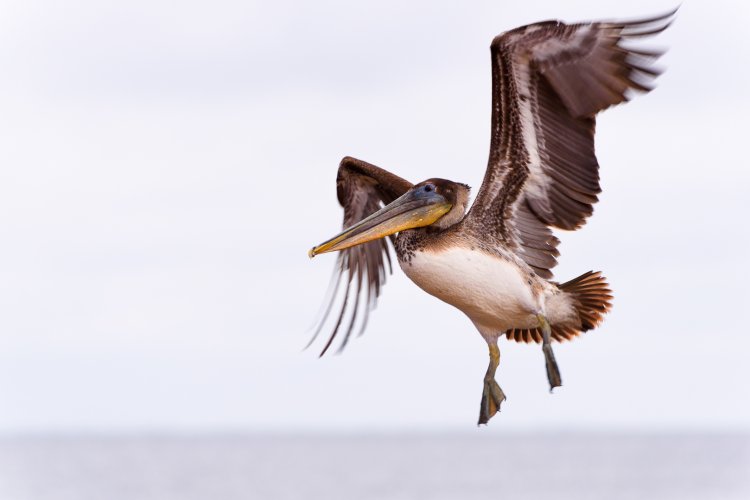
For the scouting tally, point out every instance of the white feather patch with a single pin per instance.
(535, 183)
(490, 290)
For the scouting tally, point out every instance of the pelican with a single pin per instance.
(494, 261)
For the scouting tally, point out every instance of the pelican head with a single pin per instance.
(438, 203)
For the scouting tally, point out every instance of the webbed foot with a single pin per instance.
(492, 395)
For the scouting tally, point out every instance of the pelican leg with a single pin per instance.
(553, 373)
(492, 395)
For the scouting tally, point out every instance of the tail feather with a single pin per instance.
(592, 299)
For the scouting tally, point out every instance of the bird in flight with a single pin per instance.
(494, 261)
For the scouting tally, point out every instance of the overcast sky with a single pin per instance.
(166, 166)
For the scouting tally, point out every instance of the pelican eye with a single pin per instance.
(429, 187)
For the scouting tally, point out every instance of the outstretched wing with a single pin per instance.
(361, 189)
(549, 80)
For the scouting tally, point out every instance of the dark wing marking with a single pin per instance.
(549, 80)
(361, 189)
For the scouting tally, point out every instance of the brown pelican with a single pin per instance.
(494, 262)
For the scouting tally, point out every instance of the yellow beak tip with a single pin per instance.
(311, 252)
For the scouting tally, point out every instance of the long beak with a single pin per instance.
(416, 208)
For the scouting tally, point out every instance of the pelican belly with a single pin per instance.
(491, 290)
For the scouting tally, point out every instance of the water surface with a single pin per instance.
(371, 467)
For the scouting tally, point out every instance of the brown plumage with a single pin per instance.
(494, 262)
(563, 75)
(552, 78)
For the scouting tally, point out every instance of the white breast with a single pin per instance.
(491, 290)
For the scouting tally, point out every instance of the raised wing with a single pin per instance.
(549, 80)
(361, 189)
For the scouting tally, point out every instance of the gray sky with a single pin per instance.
(165, 169)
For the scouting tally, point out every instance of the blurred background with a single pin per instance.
(166, 167)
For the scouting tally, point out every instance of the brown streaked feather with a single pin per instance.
(549, 80)
(528, 335)
(361, 188)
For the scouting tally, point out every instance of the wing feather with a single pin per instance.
(361, 189)
(549, 81)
